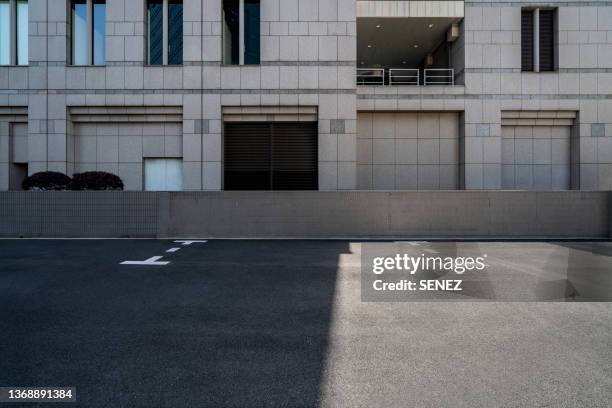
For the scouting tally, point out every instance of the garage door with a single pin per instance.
(536, 157)
(408, 151)
(271, 156)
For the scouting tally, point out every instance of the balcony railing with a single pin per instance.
(439, 76)
(405, 77)
(367, 76)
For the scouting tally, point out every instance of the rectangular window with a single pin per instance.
(241, 47)
(22, 32)
(163, 174)
(527, 40)
(155, 21)
(165, 32)
(175, 32)
(231, 28)
(79, 32)
(251, 31)
(88, 18)
(547, 40)
(5, 32)
(538, 40)
(99, 32)
(13, 32)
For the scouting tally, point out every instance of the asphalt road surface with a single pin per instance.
(283, 324)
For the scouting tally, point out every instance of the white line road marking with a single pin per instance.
(186, 243)
(171, 250)
(153, 261)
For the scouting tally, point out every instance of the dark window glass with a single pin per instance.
(251, 31)
(79, 32)
(547, 40)
(175, 32)
(231, 28)
(155, 24)
(527, 40)
(99, 32)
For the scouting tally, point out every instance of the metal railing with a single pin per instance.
(370, 76)
(398, 76)
(405, 76)
(439, 76)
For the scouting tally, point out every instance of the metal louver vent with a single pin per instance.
(547, 40)
(527, 40)
(271, 156)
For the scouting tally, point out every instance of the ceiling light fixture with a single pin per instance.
(430, 25)
(416, 45)
(369, 45)
(378, 25)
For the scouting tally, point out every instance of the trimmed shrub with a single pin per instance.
(95, 180)
(46, 181)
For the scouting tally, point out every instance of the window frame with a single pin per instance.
(165, 34)
(242, 37)
(536, 65)
(90, 48)
(13, 33)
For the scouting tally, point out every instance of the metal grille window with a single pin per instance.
(271, 156)
(538, 40)
(527, 40)
(165, 32)
(547, 40)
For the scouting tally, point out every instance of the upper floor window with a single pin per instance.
(13, 32)
(165, 32)
(241, 32)
(88, 32)
(538, 40)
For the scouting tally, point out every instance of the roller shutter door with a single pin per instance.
(271, 156)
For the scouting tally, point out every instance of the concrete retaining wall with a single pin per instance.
(484, 214)
(68, 214)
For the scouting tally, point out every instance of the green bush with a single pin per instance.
(46, 181)
(95, 180)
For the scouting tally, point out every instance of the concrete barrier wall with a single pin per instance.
(67, 214)
(610, 215)
(486, 214)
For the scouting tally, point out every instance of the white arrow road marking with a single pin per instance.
(151, 261)
(186, 243)
(171, 250)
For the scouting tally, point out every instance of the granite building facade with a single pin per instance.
(309, 94)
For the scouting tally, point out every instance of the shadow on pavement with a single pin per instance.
(226, 324)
